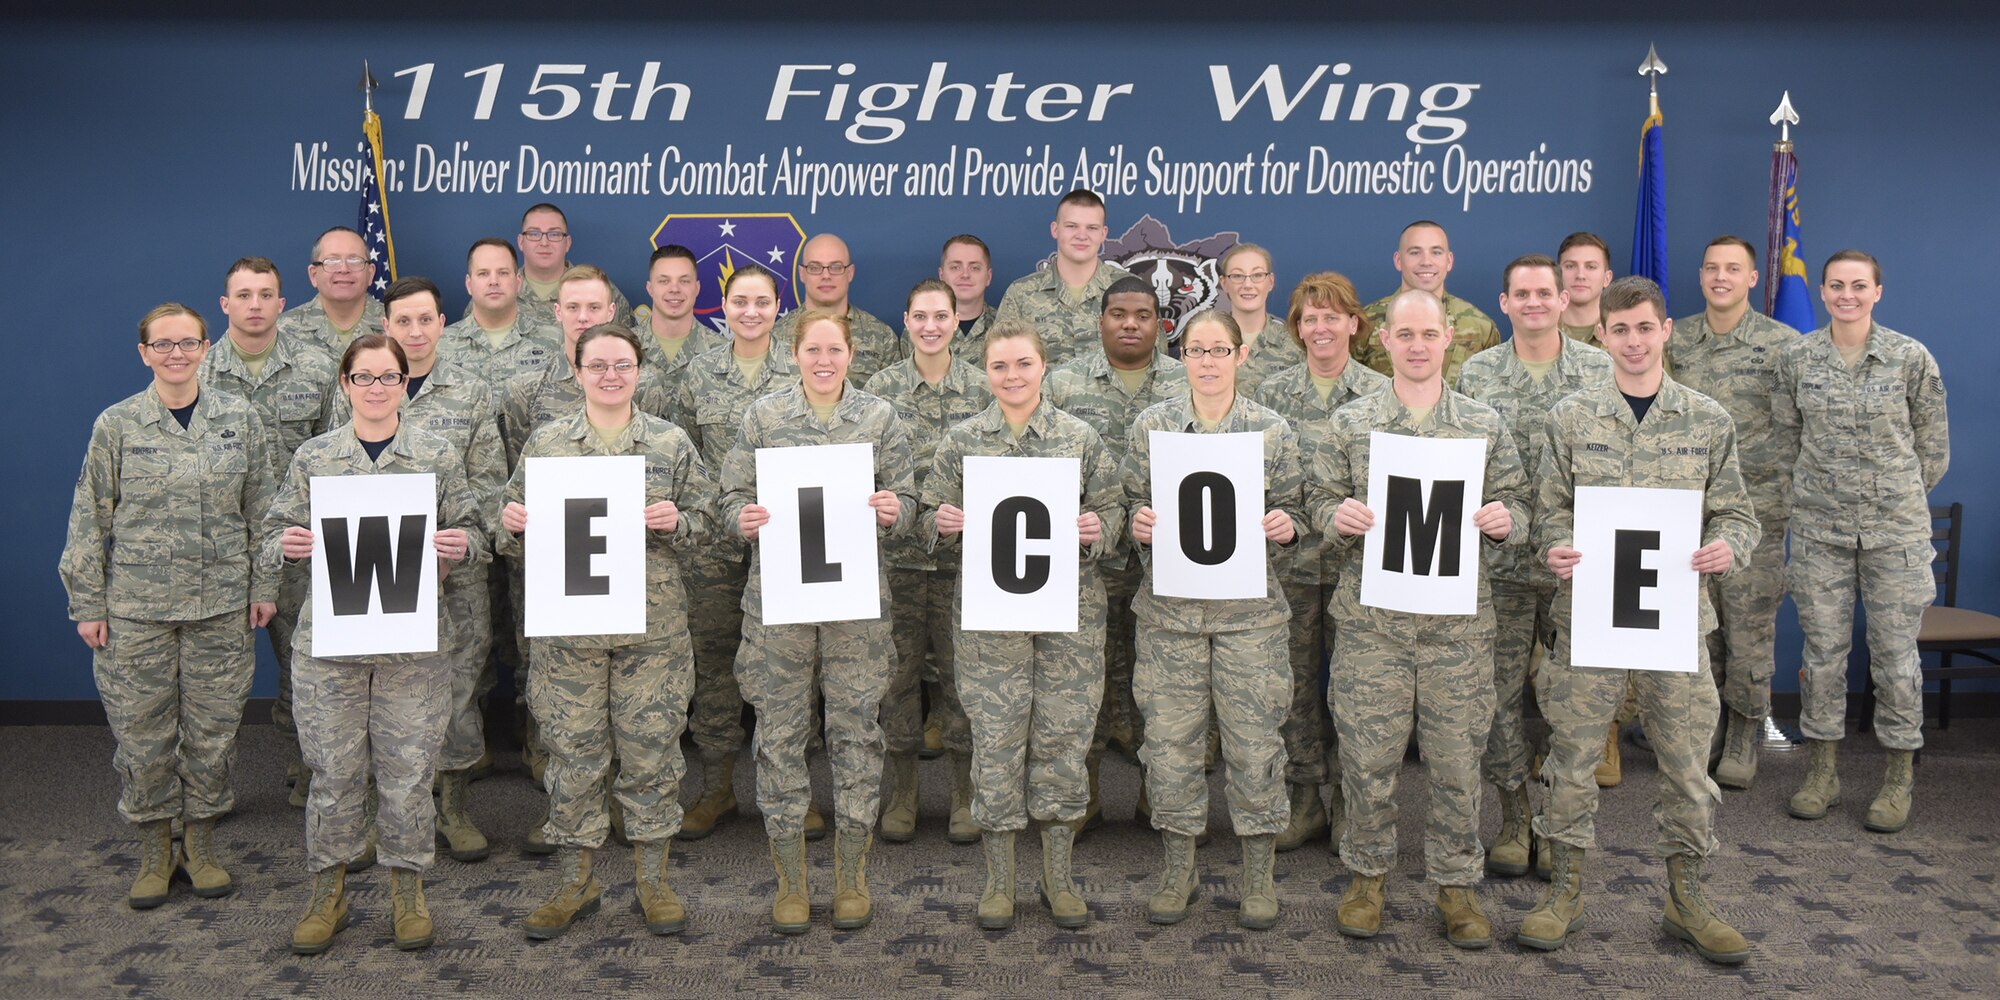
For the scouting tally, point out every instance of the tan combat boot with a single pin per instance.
(1738, 766)
(1609, 773)
(1821, 789)
(1066, 906)
(1360, 912)
(1308, 818)
(899, 804)
(815, 824)
(579, 896)
(1509, 854)
(655, 899)
(718, 797)
(933, 732)
(198, 860)
(996, 900)
(1180, 884)
(326, 913)
(462, 840)
(1689, 917)
(1890, 812)
(1258, 909)
(1465, 925)
(1544, 865)
(157, 860)
(791, 910)
(409, 914)
(962, 830)
(1560, 913)
(852, 908)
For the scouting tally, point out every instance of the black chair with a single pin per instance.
(1948, 630)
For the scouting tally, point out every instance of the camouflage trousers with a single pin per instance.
(294, 589)
(469, 628)
(1032, 699)
(921, 608)
(1120, 640)
(1678, 711)
(1245, 678)
(1896, 586)
(1382, 686)
(715, 593)
(1742, 650)
(627, 703)
(386, 719)
(1311, 748)
(1523, 618)
(173, 693)
(779, 668)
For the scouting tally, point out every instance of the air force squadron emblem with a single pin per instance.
(724, 244)
(1182, 274)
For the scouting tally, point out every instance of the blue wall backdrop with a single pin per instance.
(146, 156)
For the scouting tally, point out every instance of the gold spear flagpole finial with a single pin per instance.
(1652, 69)
(1785, 118)
(367, 87)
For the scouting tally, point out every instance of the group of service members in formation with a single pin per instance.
(190, 529)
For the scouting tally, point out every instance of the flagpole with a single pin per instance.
(1781, 156)
(1649, 224)
(371, 129)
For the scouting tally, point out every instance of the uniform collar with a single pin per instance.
(1187, 420)
(992, 421)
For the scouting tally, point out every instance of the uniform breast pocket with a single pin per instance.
(298, 408)
(1679, 472)
(1598, 468)
(144, 477)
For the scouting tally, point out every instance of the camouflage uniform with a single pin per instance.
(710, 400)
(381, 716)
(1873, 441)
(597, 697)
(309, 324)
(1228, 656)
(924, 583)
(969, 344)
(1066, 318)
(456, 406)
(523, 350)
(297, 393)
(700, 340)
(1089, 389)
(1393, 669)
(1686, 442)
(876, 346)
(1739, 369)
(1472, 331)
(1523, 587)
(1273, 350)
(1032, 697)
(1581, 334)
(849, 662)
(538, 319)
(178, 507)
(1309, 574)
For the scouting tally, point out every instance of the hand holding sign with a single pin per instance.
(1494, 521)
(1715, 557)
(662, 516)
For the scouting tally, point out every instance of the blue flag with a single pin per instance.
(373, 216)
(1788, 295)
(1649, 223)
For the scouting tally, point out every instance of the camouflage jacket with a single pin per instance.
(1581, 334)
(1739, 369)
(1284, 489)
(1497, 377)
(1050, 433)
(1273, 350)
(1472, 331)
(709, 403)
(968, 345)
(523, 350)
(163, 520)
(927, 412)
(876, 346)
(1066, 319)
(1873, 440)
(1340, 470)
(700, 340)
(1686, 443)
(673, 472)
(1291, 392)
(1088, 389)
(533, 399)
(339, 453)
(308, 323)
(296, 396)
(455, 405)
(786, 420)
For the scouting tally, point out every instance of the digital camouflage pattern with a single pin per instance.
(381, 716)
(523, 350)
(1272, 350)
(309, 324)
(1472, 331)
(876, 346)
(1065, 317)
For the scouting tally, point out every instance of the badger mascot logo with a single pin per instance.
(1182, 274)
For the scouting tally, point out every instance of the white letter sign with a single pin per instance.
(1208, 497)
(1636, 598)
(1020, 563)
(818, 557)
(585, 548)
(374, 569)
(1422, 554)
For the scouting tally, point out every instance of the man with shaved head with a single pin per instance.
(828, 270)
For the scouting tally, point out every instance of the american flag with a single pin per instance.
(373, 216)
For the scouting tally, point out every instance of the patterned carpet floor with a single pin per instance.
(1830, 910)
